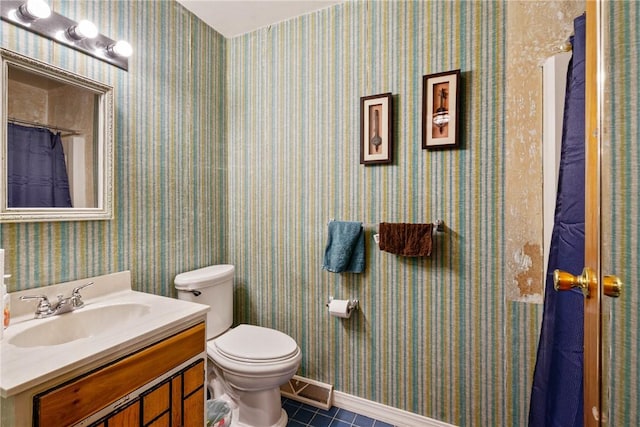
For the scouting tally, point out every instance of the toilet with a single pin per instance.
(247, 364)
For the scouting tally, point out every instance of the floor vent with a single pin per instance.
(308, 391)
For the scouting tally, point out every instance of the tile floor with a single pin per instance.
(302, 415)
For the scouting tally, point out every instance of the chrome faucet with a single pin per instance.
(63, 305)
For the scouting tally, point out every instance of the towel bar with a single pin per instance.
(364, 224)
(438, 226)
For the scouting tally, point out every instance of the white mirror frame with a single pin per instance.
(104, 139)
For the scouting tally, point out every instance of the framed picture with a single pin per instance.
(440, 110)
(376, 144)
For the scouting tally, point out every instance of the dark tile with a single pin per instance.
(320, 421)
(346, 416)
(290, 402)
(308, 407)
(303, 415)
(362, 421)
(290, 408)
(331, 412)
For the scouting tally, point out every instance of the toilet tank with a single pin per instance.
(212, 286)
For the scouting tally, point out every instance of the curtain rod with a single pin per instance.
(50, 127)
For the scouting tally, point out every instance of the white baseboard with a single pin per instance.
(388, 414)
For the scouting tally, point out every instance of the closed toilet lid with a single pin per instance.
(255, 343)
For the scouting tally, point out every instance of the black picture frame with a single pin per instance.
(376, 133)
(441, 110)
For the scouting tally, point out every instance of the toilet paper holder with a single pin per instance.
(354, 304)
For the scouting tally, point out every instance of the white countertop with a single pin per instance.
(22, 369)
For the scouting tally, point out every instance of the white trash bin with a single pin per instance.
(218, 413)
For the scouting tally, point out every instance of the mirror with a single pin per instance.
(56, 143)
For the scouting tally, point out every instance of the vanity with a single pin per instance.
(124, 358)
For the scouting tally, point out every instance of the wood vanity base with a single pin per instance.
(177, 400)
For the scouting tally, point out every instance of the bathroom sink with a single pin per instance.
(83, 323)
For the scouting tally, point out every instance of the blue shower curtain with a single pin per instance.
(557, 393)
(36, 169)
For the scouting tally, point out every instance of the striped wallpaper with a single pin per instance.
(170, 156)
(621, 225)
(434, 336)
(241, 150)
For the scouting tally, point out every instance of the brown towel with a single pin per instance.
(406, 239)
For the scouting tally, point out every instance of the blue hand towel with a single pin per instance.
(345, 248)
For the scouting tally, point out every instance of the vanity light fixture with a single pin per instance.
(32, 10)
(82, 36)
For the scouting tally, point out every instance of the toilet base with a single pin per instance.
(256, 409)
(282, 421)
(260, 408)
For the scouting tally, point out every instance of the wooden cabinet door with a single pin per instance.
(178, 402)
(193, 395)
(127, 416)
(78, 399)
(156, 406)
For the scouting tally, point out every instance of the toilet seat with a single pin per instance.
(255, 344)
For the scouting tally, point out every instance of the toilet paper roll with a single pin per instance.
(340, 308)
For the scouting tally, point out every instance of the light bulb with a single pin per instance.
(33, 10)
(122, 48)
(86, 29)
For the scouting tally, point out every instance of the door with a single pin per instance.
(593, 350)
(619, 158)
(611, 215)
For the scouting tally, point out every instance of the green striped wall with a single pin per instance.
(170, 156)
(434, 336)
(621, 225)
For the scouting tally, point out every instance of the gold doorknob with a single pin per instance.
(611, 286)
(563, 281)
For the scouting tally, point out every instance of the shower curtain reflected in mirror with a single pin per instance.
(36, 169)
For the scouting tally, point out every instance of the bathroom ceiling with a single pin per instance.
(234, 17)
